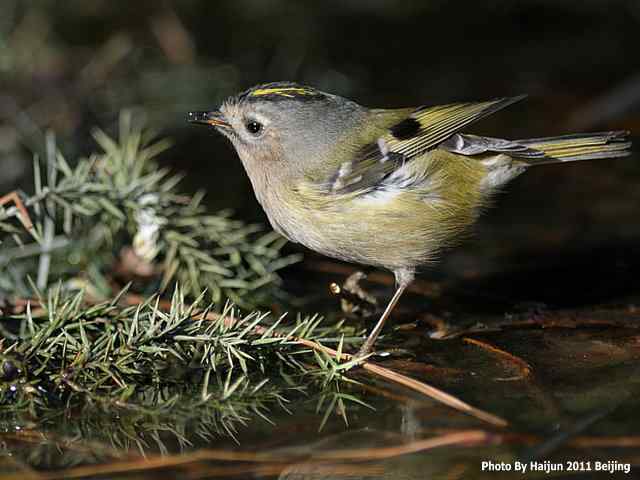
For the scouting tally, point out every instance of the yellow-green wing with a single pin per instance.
(423, 129)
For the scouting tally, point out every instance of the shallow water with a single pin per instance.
(565, 379)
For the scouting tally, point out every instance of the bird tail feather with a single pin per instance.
(581, 146)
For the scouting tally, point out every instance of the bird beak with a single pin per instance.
(215, 119)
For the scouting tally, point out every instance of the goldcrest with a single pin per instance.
(387, 188)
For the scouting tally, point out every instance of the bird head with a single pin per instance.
(283, 129)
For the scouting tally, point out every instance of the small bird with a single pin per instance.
(387, 188)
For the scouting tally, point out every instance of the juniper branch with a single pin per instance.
(120, 198)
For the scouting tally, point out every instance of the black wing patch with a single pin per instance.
(406, 129)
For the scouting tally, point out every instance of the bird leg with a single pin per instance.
(368, 344)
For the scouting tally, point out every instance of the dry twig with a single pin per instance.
(524, 368)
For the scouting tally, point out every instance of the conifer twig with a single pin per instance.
(423, 388)
(375, 369)
(24, 217)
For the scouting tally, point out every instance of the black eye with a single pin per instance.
(253, 127)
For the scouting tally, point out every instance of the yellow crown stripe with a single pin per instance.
(283, 91)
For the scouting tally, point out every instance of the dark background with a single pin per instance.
(563, 234)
